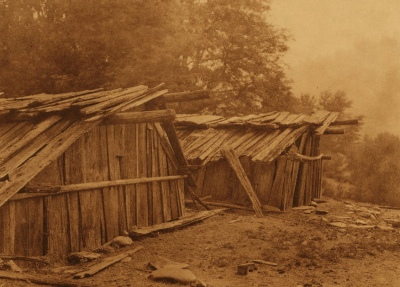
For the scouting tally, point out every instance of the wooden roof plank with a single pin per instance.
(20, 176)
(23, 155)
(262, 144)
(10, 148)
(111, 100)
(14, 134)
(265, 152)
(331, 118)
(280, 118)
(282, 145)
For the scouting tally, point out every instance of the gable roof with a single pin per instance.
(261, 137)
(36, 130)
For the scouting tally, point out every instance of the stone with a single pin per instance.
(308, 211)
(313, 203)
(82, 256)
(174, 274)
(243, 269)
(122, 241)
(338, 224)
(321, 212)
(163, 262)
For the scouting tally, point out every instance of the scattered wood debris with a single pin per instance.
(184, 221)
(39, 279)
(106, 262)
(258, 261)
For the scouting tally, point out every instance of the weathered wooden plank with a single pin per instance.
(275, 198)
(157, 203)
(331, 118)
(142, 200)
(35, 227)
(21, 229)
(20, 176)
(303, 171)
(115, 99)
(57, 227)
(110, 196)
(106, 262)
(165, 188)
(234, 162)
(187, 220)
(167, 149)
(265, 180)
(38, 279)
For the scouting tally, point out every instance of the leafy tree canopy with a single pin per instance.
(226, 46)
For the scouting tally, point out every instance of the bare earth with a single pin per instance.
(308, 250)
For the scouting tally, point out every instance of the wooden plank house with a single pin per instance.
(78, 169)
(278, 151)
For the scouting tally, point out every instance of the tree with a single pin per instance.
(226, 46)
(236, 54)
(376, 169)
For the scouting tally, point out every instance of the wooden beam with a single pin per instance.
(234, 162)
(235, 206)
(345, 122)
(326, 157)
(34, 191)
(184, 221)
(140, 117)
(186, 96)
(38, 279)
(108, 261)
(333, 131)
(176, 146)
(24, 258)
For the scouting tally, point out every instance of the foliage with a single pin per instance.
(375, 169)
(225, 46)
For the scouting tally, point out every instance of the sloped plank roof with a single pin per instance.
(262, 137)
(56, 122)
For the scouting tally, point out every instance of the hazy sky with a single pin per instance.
(350, 45)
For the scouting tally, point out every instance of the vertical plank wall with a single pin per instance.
(283, 183)
(64, 223)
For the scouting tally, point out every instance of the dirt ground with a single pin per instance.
(308, 250)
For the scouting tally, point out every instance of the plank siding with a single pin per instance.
(56, 225)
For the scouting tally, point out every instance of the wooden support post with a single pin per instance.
(176, 146)
(234, 162)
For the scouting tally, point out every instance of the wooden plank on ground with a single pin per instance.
(39, 279)
(234, 162)
(184, 221)
(106, 262)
